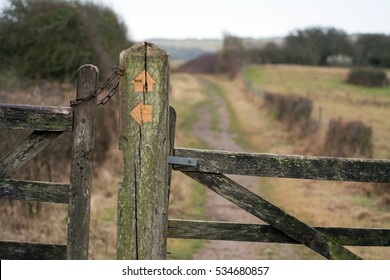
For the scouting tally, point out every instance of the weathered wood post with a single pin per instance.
(144, 140)
(81, 169)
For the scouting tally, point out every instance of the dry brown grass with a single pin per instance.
(316, 202)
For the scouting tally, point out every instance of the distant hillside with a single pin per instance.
(207, 45)
(206, 63)
(258, 43)
(188, 49)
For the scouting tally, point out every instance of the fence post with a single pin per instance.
(144, 140)
(81, 169)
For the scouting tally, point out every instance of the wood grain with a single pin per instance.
(143, 196)
(42, 118)
(81, 167)
(31, 251)
(287, 166)
(208, 230)
(34, 191)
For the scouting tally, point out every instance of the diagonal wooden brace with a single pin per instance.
(271, 214)
(23, 153)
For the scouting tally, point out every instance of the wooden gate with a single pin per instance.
(147, 133)
(47, 124)
(282, 227)
(147, 136)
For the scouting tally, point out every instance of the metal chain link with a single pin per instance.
(110, 94)
(116, 72)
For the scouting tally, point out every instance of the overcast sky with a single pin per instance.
(179, 19)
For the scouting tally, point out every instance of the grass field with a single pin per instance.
(329, 203)
(332, 97)
(318, 203)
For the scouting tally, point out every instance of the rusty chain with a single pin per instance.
(116, 72)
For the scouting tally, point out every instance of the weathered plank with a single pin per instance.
(144, 140)
(25, 151)
(34, 191)
(287, 166)
(273, 215)
(49, 118)
(265, 233)
(172, 130)
(81, 168)
(10, 250)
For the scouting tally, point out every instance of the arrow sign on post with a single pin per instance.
(143, 82)
(143, 195)
(142, 113)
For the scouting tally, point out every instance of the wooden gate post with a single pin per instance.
(81, 170)
(144, 140)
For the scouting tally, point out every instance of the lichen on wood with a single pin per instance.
(144, 140)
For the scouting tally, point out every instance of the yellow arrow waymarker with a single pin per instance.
(143, 82)
(142, 113)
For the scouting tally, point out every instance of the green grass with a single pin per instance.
(301, 80)
(197, 200)
(183, 249)
(108, 216)
(188, 114)
(234, 122)
(215, 121)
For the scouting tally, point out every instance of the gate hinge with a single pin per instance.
(182, 161)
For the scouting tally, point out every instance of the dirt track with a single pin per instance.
(218, 208)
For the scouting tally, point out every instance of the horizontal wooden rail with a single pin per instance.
(265, 233)
(34, 191)
(50, 118)
(286, 166)
(10, 250)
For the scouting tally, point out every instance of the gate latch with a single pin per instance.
(182, 161)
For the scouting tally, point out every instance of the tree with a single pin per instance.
(373, 49)
(269, 53)
(314, 45)
(231, 57)
(51, 39)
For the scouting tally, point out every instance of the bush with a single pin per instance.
(42, 39)
(370, 77)
(348, 139)
(295, 111)
(52, 39)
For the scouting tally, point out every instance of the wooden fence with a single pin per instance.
(47, 124)
(147, 133)
(146, 139)
(282, 227)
